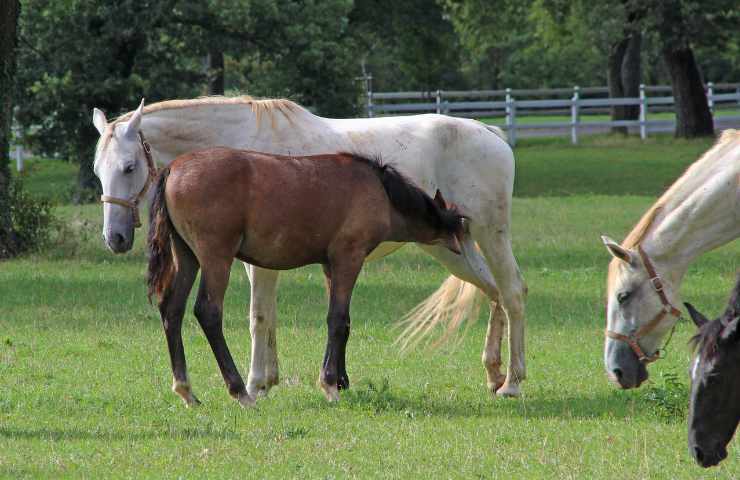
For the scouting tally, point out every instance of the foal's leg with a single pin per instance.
(462, 268)
(263, 371)
(495, 243)
(209, 311)
(341, 280)
(172, 310)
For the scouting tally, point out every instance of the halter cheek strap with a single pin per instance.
(668, 308)
(152, 174)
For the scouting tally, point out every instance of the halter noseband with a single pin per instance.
(632, 338)
(134, 204)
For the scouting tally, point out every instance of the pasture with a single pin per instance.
(85, 377)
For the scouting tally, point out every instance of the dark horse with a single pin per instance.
(714, 409)
(280, 213)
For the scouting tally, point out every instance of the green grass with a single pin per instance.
(85, 389)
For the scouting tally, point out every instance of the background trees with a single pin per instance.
(77, 54)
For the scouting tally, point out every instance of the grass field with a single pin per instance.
(85, 377)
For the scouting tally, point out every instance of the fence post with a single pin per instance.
(710, 96)
(643, 112)
(19, 158)
(510, 117)
(439, 101)
(574, 118)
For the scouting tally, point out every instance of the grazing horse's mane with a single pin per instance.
(705, 341)
(676, 194)
(410, 200)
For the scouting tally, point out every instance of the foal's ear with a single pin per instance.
(730, 333)
(616, 249)
(440, 201)
(99, 120)
(696, 316)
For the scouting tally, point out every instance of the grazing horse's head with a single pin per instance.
(640, 311)
(121, 166)
(714, 408)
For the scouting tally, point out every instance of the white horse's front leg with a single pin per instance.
(263, 371)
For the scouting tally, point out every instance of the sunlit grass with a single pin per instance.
(85, 376)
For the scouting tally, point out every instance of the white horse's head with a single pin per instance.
(636, 311)
(121, 166)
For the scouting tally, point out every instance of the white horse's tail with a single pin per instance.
(447, 308)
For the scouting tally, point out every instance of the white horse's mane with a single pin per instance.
(260, 107)
(678, 192)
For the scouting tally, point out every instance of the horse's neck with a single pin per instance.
(176, 131)
(706, 217)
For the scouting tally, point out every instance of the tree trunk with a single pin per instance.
(614, 80)
(9, 11)
(215, 72)
(693, 118)
(632, 74)
(88, 185)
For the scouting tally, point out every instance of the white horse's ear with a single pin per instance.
(99, 120)
(133, 125)
(616, 249)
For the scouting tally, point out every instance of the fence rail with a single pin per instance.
(512, 107)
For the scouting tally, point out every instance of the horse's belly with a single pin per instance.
(385, 248)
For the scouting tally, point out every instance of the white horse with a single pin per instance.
(699, 212)
(469, 162)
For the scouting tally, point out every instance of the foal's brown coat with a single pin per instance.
(280, 213)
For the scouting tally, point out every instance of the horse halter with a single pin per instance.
(134, 204)
(668, 308)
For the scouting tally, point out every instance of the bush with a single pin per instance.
(668, 398)
(32, 218)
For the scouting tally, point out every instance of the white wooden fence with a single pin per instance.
(514, 105)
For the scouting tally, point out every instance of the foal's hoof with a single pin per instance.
(331, 392)
(509, 390)
(245, 400)
(186, 393)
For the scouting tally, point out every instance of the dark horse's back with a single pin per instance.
(293, 208)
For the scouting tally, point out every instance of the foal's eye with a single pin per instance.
(623, 297)
(129, 168)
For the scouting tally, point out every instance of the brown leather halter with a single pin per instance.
(134, 204)
(632, 338)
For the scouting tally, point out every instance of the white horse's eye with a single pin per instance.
(129, 168)
(623, 296)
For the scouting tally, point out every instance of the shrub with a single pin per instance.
(32, 218)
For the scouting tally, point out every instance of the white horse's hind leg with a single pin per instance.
(495, 243)
(263, 370)
(471, 267)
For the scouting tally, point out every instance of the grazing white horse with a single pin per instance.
(469, 162)
(699, 212)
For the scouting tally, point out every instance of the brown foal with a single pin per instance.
(277, 212)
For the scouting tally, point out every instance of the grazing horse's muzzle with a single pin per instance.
(623, 367)
(708, 457)
(118, 242)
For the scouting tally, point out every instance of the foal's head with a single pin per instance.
(714, 409)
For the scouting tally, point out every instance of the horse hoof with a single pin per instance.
(246, 400)
(331, 392)
(508, 390)
(494, 386)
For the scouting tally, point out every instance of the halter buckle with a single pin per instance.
(657, 283)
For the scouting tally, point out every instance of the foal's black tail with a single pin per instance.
(161, 264)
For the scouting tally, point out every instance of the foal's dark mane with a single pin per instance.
(410, 200)
(705, 341)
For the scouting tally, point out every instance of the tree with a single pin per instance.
(9, 11)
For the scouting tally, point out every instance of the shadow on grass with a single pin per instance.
(380, 398)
